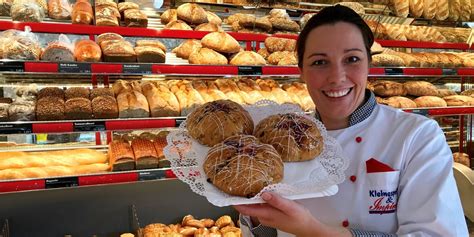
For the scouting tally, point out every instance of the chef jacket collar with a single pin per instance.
(361, 113)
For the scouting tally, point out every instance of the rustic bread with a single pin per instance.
(192, 13)
(221, 42)
(207, 56)
(169, 16)
(399, 102)
(389, 88)
(420, 88)
(459, 100)
(187, 47)
(132, 104)
(247, 58)
(178, 25)
(430, 101)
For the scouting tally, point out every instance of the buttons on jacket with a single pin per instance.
(345, 223)
(358, 139)
(353, 178)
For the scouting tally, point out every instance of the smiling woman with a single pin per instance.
(392, 154)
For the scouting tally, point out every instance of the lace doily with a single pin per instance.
(315, 178)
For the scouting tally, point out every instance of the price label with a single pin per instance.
(179, 122)
(250, 70)
(423, 112)
(151, 175)
(89, 126)
(450, 71)
(15, 128)
(137, 68)
(12, 66)
(74, 68)
(393, 71)
(62, 182)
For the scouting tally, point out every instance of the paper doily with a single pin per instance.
(315, 178)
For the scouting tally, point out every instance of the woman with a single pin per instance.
(399, 179)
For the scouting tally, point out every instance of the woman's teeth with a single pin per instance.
(336, 94)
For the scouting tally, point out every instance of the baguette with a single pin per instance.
(52, 171)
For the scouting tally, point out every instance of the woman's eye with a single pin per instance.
(319, 62)
(353, 59)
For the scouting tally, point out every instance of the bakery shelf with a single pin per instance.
(9, 186)
(425, 72)
(419, 44)
(442, 111)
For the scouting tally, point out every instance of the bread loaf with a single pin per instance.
(208, 27)
(207, 56)
(178, 25)
(135, 18)
(120, 86)
(101, 91)
(395, 32)
(160, 144)
(458, 100)
(162, 102)
(51, 91)
(454, 10)
(87, 51)
(5, 7)
(251, 92)
(169, 16)
(442, 10)
(420, 88)
(416, 8)
(77, 92)
(104, 107)
(102, 38)
(247, 58)
(21, 110)
(59, 9)
(399, 102)
(107, 16)
(132, 104)
(187, 47)
(121, 156)
(284, 24)
(389, 88)
(230, 89)
(272, 86)
(118, 51)
(52, 171)
(78, 108)
(282, 58)
(201, 87)
(221, 42)
(213, 18)
(50, 108)
(150, 54)
(154, 43)
(429, 9)
(58, 52)
(145, 154)
(446, 92)
(123, 6)
(214, 91)
(192, 13)
(401, 7)
(465, 10)
(274, 44)
(430, 101)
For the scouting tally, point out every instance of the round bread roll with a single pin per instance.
(399, 102)
(221, 42)
(264, 53)
(295, 137)
(208, 27)
(192, 13)
(213, 18)
(446, 92)
(242, 166)
(458, 100)
(430, 101)
(420, 88)
(178, 25)
(388, 88)
(207, 56)
(169, 16)
(247, 58)
(215, 121)
(187, 47)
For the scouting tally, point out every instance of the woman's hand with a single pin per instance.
(290, 217)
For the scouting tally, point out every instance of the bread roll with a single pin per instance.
(187, 47)
(221, 42)
(207, 56)
(132, 104)
(215, 121)
(430, 101)
(208, 27)
(420, 88)
(87, 51)
(442, 10)
(178, 25)
(454, 10)
(399, 102)
(121, 156)
(401, 7)
(213, 18)
(416, 8)
(243, 166)
(192, 13)
(247, 58)
(459, 100)
(389, 88)
(274, 44)
(162, 102)
(145, 154)
(169, 16)
(429, 9)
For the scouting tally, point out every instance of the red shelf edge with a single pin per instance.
(420, 44)
(108, 178)
(52, 127)
(41, 67)
(139, 124)
(24, 185)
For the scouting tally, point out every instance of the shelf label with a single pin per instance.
(62, 182)
(179, 122)
(423, 112)
(393, 71)
(450, 71)
(74, 68)
(12, 66)
(250, 70)
(89, 126)
(16, 128)
(137, 68)
(151, 175)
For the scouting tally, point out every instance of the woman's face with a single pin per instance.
(335, 68)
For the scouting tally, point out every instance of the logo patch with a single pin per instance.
(383, 202)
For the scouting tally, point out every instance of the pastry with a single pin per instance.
(104, 107)
(242, 166)
(295, 137)
(215, 121)
(430, 101)
(78, 108)
(221, 42)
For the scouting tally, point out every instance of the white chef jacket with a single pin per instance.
(419, 198)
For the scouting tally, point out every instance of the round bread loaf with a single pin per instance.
(247, 58)
(192, 13)
(458, 100)
(295, 137)
(78, 108)
(169, 16)
(399, 102)
(50, 108)
(213, 18)
(207, 56)
(77, 92)
(215, 121)
(242, 166)
(446, 92)
(221, 42)
(430, 101)
(388, 88)
(51, 91)
(420, 88)
(104, 91)
(187, 47)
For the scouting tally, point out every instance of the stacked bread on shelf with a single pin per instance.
(25, 165)
(189, 226)
(391, 58)
(278, 21)
(416, 94)
(452, 10)
(279, 51)
(190, 15)
(139, 153)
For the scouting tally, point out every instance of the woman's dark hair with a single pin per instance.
(333, 15)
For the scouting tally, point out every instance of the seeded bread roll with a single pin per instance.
(104, 107)
(50, 108)
(295, 137)
(243, 166)
(78, 108)
(430, 101)
(215, 121)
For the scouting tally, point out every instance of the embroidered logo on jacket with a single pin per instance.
(383, 202)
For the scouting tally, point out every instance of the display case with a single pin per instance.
(99, 203)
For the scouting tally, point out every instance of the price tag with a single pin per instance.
(423, 112)
(16, 128)
(151, 175)
(89, 126)
(393, 71)
(74, 68)
(12, 66)
(137, 68)
(179, 121)
(62, 182)
(450, 71)
(250, 70)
